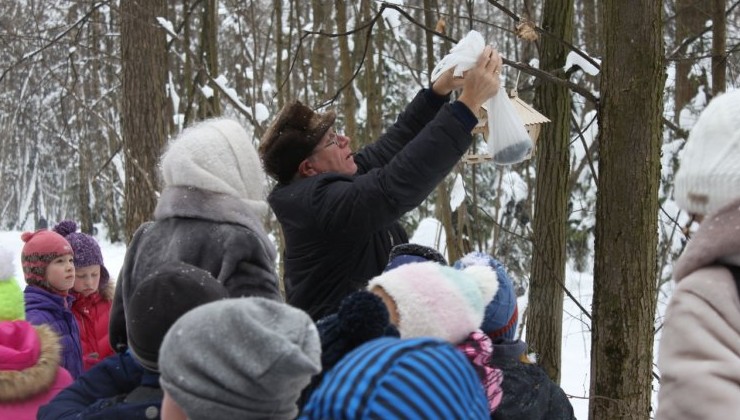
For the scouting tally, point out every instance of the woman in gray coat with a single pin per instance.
(210, 215)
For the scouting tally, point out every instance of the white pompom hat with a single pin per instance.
(708, 177)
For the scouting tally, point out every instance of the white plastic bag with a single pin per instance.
(462, 56)
(508, 141)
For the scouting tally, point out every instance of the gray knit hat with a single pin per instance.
(240, 358)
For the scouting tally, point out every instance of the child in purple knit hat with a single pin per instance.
(93, 293)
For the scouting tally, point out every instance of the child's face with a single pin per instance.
(389, 303)
(60, 273)
(87, 280)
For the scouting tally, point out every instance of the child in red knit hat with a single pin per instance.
(93, 293)
(48, 266)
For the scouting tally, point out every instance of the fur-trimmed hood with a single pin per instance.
(716, 241)
(192, 202)
(36, 378)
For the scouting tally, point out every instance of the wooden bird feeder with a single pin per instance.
(532, 119)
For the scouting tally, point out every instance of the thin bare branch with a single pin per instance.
(54, 40)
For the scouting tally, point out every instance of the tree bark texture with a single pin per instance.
(544, 324)
(144, 65)
(691, 15)
(624, 300)
(346, 70)
(719, 45)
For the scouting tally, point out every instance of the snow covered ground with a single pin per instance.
(576, 350)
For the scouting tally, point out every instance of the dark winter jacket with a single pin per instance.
(340, 229)
(214, 232)
(44, 307)
(116, 388)
(92, 313)
(528, 392)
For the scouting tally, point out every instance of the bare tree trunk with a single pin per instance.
(373, 91)
(719, 44)
(83, 191)
(349, 102)
(592, 26)
(627, 210)
(279, 47)
(429, 22)
(209, 106)
(544, 325)
(144, 60)
(690, 18)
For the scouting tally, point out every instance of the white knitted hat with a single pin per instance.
(708, 177)
(217, 155)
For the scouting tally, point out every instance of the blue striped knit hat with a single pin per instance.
(391, 378)
(500, 318)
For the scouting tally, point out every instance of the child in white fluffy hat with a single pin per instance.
(699, 355)
(427, 299)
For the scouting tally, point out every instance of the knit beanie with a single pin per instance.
(362, 316)
(217, 155)
(291, 137)
(40, 249)
(243, 358)
(394, 378)
(410, 253)
(86, 249)
(438, 301)
(500, 318)
(159, 300)
(12, 306)
(708, 176)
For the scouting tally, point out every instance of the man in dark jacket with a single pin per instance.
(339, 210)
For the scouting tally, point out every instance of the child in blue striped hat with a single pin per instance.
(528, 393)
(391, 378)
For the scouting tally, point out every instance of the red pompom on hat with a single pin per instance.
(41, 248)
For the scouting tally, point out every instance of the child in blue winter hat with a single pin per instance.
(528, 393)
(362, 317)
(391, 378)
(501, 315)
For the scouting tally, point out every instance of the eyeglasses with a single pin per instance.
(333, 140)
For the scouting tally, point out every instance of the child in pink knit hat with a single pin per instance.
(48, 266)
(93, 293)
(30, 375)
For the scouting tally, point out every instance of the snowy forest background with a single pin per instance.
(91, 91)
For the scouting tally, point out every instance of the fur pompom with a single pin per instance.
(362, 317)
